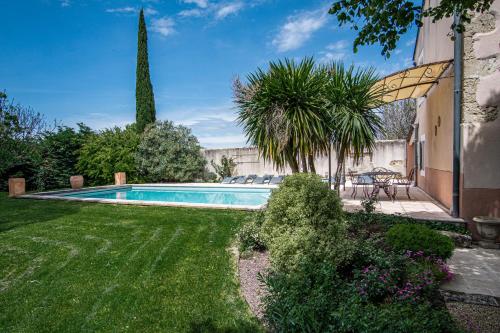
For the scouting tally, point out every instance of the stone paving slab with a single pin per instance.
(421, 206)
(476, 270)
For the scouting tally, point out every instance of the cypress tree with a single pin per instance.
(144, 98)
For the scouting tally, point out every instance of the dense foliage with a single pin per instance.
(112, 150)
(414, 237)
(21, 130)
(169, 153)
(335, 272)
(145, 103)
(59, 154)
(384, 21)
(304, 223)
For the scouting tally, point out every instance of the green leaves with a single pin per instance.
(111, 150)
(282, 111)
(352, 99)
(384, 21)
(169, 153)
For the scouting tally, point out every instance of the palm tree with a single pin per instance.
(354, 123)
(282, 111)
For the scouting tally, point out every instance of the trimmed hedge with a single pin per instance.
(416, 237)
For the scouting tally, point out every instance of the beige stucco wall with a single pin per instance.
(480, 140)
(433, 43)
(390, 154)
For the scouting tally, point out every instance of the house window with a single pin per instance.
(421, 154)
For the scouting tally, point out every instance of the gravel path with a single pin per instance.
(476, 318)
(253, 290)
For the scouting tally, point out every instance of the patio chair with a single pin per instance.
(382, 179)
(262, 179)
(229, 180)
(276, 180)
(404, 181)
(251, 179)
(361, 180)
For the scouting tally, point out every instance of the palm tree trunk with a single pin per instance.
(340, 165)
(292, 162)
(304, 162)
(310, 158)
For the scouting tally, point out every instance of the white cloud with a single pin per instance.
(163, 25)
(199, 3)
(150, 11)
(397, 51)
(65, 3)
(122, 10)
(338, 45)
(410, 42)
(298, 29)
(408, 61)
(331, 56)
(228, 9)
(191, 13)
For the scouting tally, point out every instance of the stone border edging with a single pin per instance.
(456, 296)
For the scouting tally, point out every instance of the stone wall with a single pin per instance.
(480, 192)
(390, 154)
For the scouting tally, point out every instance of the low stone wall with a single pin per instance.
(390, 154)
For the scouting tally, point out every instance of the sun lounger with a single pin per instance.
(251, 179)
(262, 179)
(276, 180)
(241, 180)
(228, 180)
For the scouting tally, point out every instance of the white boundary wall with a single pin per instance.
(390, 154)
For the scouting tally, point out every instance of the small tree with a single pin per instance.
(397, 119)
(225, 168)
(169, 153)
(145, 103)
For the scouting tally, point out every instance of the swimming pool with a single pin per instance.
(224, 197)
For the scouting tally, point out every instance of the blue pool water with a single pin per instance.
(191, 194)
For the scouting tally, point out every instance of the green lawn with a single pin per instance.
(81, 267)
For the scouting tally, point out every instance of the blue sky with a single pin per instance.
(74, 60)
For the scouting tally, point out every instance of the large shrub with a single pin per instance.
(109, 151)
(304, 223)
(59, 155)
(415, 237)
(169, 153)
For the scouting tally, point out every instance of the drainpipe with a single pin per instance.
(416, 171)
(457, 115)
(330, 166)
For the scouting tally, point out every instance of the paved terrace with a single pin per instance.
(421, 206)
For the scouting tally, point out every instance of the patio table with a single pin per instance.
(381, 180)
